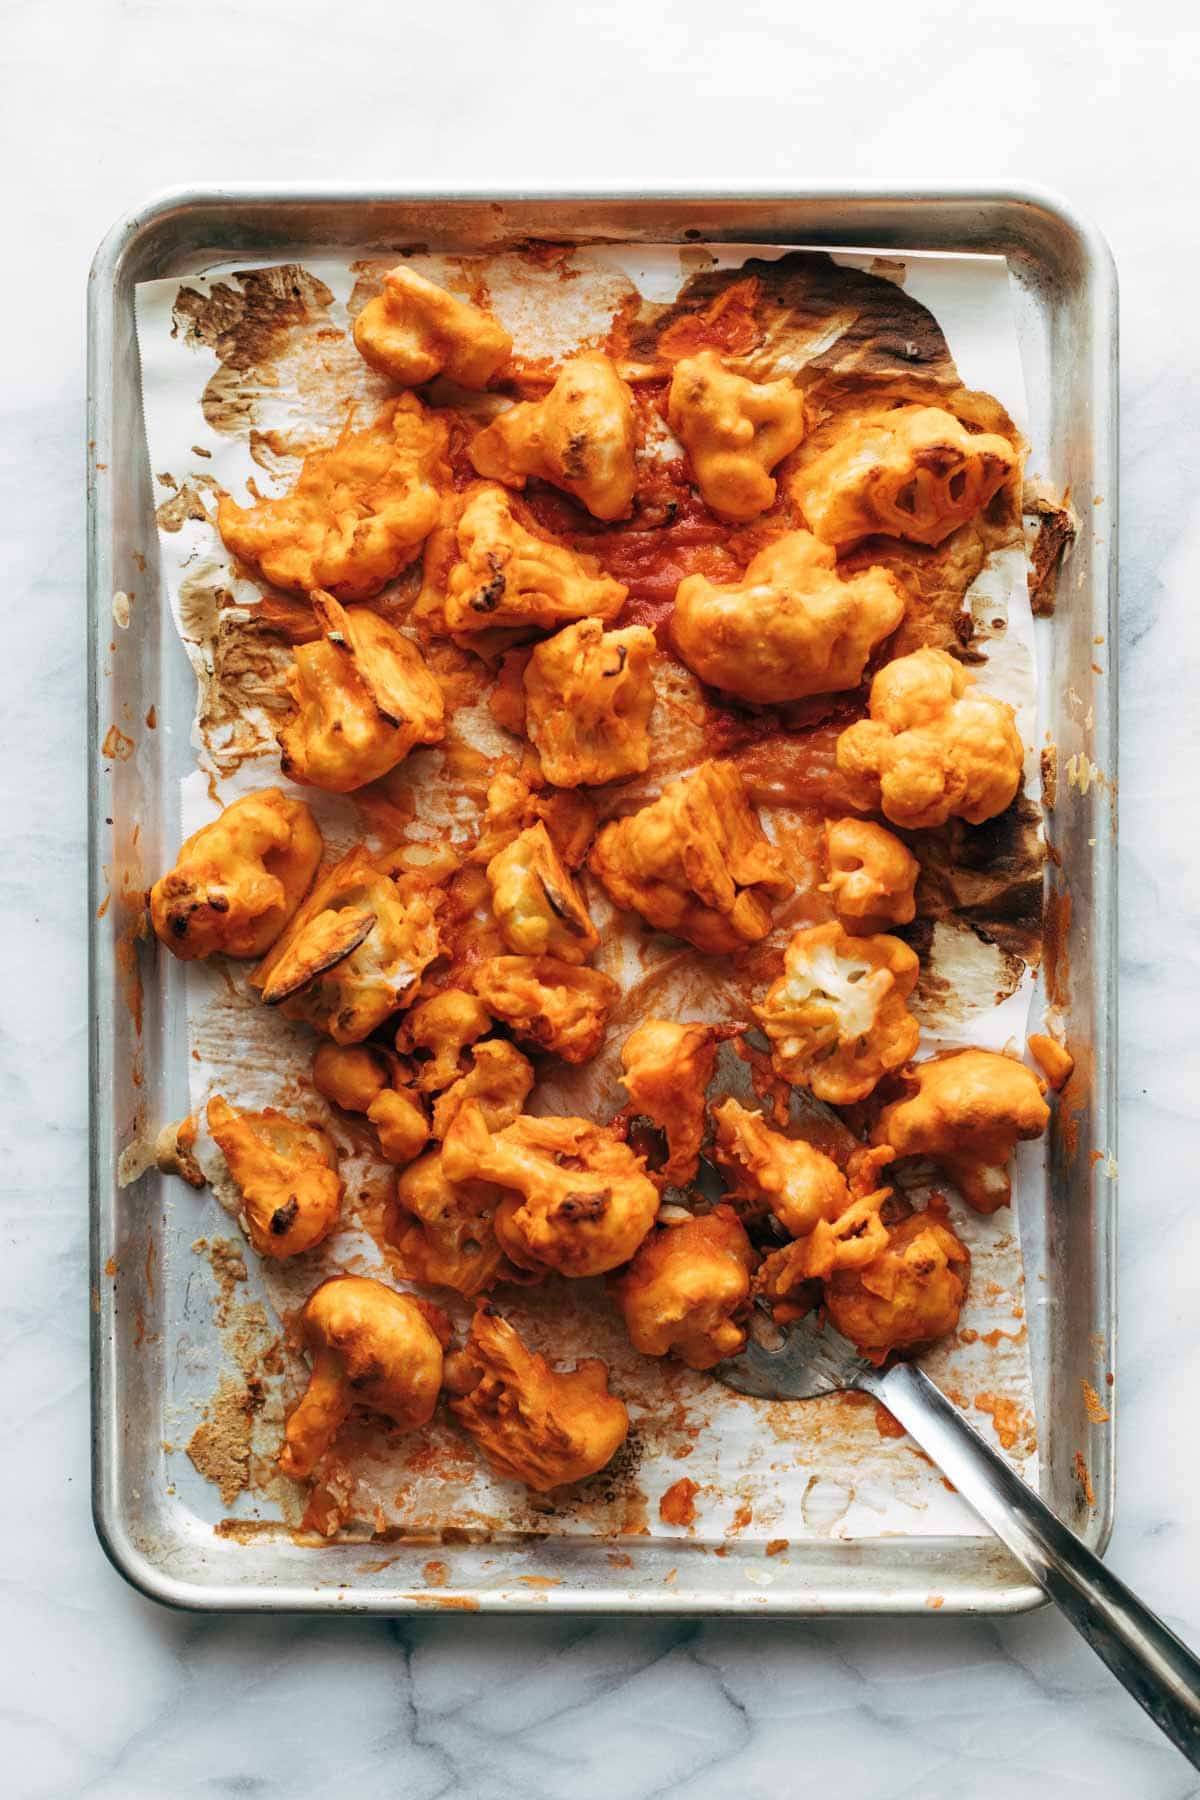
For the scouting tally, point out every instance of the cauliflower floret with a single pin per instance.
(915, 472)
(237, 882)
(934, 747)
(577, 1199)
(1052, 1058)
(507, 577)
(910, 1293)
(437, 1031)
(734, 430)
(442, 1230)
(534, 1424)
(872, 877)
(766, 1170)
(687, 1290)
(790, 628)
(499, 1082)
(513, 804)
(538, 908)
(581, 438)
(286, 1174)
(370, 1347)
(548, 1004)
(667, 1069)
(836, 1017)
(415, 330)
(966, 1111)
(358, 513)
(364, 1078)
(848, 1236)
(352, 955)
(589, 694)
(695, 862)
(364, 697)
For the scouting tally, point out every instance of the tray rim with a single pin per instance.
(111, 264)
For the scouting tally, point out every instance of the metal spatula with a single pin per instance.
(1159, 1671)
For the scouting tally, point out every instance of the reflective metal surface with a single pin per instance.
(1066, 298)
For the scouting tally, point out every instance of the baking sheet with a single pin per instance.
(760, 1470)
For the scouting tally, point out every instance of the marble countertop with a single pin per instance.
(101, 1693)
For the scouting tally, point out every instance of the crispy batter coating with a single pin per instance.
(967, 1111)
(695, 862)
(581, 438)
(577, 1199)
(687, 1290)
(498, 1082)
(364, 697)
(872, 876)
(836, 1017)
(365, 1078)
(415, 330)
(589, 694)
(734, 430)
(237, 882)
(1052, 1058)
(667, 1069)
(910, 1293)
(915, 472)
(353, 954)
(442, 1230)
(849, 1238)
(935, 747)
(790, 628)
(437, 1031)
(538, 908)
(369, 1347)
(358, 513)
(513, 804)
(286, 1173)
(766, 1170)
(548, 1004)
(535, 1424)
(508, 577)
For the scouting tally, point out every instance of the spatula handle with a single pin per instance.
(1159, 1671)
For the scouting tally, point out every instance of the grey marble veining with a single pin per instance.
(100, 1693)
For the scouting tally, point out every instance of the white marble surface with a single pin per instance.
(103, 1695)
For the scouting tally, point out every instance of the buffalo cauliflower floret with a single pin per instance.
(734, 430)
(581, 438)
(872, 876)
(535, 1424)
(667, 1070)
(548, 1004)
(836, 1017)
(910, 1293)
(437, 1031)
(790, 628)
(363, 698)
(934, 747)
(237, 882)
(589, 694)
(364, 1078)
(415, 330)
(369, 1347)
(915, 473)
(353, 954)
(508, 577)
(768, 1171)
(538, 908)
(358, 513)
(577, 1200)
(966, 1111)
(695, 862)
(498, 1081)
(687, 1290)
(286, 1174)
(442, 1230)
(513, 804)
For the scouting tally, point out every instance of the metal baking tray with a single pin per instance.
(139, 1264)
